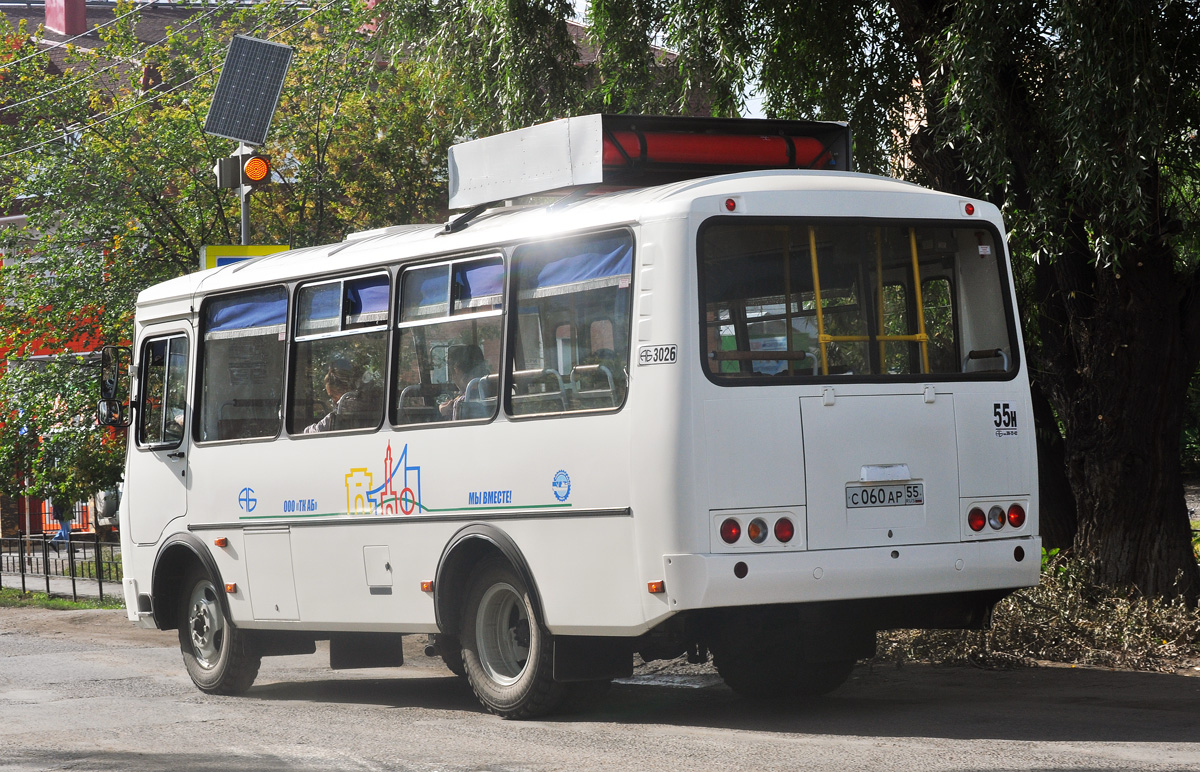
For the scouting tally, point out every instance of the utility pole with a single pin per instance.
(243, 152)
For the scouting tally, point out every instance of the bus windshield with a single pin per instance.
(852, 300)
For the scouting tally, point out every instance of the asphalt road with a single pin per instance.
(84, 690)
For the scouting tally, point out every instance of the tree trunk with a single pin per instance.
(1121, 402)
(1056, 501)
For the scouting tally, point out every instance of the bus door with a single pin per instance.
(881, 468)
(157, 474)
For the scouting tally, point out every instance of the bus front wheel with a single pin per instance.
(219, 657)
(506, 651)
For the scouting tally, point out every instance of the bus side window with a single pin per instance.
(571, 350)
(450, 324)
(244, 347)
(339, 354)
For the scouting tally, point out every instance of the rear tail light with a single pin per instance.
(1016, 516)
(784, 530)
(731, 530)
(996, 518)
(976, 519)
(757, 530)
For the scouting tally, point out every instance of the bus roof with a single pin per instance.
(505, 225)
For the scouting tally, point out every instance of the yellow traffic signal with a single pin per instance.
(256, 170)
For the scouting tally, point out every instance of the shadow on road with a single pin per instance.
(1057, 704)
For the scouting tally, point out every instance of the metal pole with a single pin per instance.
(46, 561)
(244, 192)
(245, 196)
(99, 562)
(21, 554)
(71, 563)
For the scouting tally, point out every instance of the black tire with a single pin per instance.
(450, 650)
(764, 675)
(219, 657)
(506, 651)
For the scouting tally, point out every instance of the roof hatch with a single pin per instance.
(618, 151)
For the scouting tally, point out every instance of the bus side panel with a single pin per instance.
(354, 505)
(662, 435)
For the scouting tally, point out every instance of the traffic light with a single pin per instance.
(251, 170)
(256, 169)
(227, 171)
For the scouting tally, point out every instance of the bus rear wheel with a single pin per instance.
(219, 657)
(506, 651)
(780, 678)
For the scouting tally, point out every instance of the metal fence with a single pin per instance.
(31, 560)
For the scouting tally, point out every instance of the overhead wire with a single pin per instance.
(114, 65)
(111, 115)
(70, 40)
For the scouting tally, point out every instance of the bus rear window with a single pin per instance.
(854, 300)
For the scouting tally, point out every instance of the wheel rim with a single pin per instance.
(206, 624)
(502, 633)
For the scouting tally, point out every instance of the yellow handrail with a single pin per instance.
(922, 337)
(879, 288)
(787, 287)
(821, 336)
(869, 338)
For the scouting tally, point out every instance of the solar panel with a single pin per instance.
(248, 90)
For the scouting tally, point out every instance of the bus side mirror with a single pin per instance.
(110, 413)
(113, 409)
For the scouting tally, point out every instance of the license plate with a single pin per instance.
(903, 495)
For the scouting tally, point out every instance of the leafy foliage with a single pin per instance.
(513, 62)
(1068, 618)
(108, 161)
(50, 443)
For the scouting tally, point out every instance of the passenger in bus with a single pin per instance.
(464, 364)
(341, 384)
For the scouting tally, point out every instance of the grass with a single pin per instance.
(86, 569)
(13, 598)
(1068, 618)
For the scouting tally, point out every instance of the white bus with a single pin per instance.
(752, 414)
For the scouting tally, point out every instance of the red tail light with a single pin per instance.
(976, 519)
(731, 530)
(784, 530)
(1016, 516)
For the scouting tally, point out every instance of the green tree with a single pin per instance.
(1078, 118)
(110, 164)
(51, 445)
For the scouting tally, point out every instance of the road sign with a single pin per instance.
(212, 256)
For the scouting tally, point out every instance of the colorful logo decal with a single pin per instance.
(246, 499)
(362, 499)
(358, 486)
(562, 485)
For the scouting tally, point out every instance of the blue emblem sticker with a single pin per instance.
(246, 499)
(562, 485)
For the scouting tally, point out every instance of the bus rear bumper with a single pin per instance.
(712, 581)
